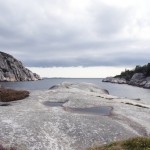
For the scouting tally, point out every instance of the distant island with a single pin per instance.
(12, 69)
(139, 76)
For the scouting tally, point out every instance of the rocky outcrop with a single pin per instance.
(115, 80)
(13, 70)
(138, 79)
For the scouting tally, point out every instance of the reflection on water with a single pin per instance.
(53, 104)
(102, 110)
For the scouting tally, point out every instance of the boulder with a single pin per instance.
(13, 70)
(137, 79)
(147, 84)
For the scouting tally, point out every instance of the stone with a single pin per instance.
(115, 80)
(138, 79)
(147, 84)
(13, 70)
(32, 125)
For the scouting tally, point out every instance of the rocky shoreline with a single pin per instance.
(13, 70)
(138, 79)
(52, 119)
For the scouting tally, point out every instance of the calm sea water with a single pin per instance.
(121, 90)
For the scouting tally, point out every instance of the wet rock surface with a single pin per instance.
(30, 124)
(101, 110)
(13, 70)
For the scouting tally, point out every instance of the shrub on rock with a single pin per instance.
(7, 95)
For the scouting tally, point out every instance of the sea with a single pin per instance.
(121, 90)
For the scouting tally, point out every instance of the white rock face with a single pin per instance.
(115, 80)
(30, 124)
(13, 70)
(138, 79)
(147, 84)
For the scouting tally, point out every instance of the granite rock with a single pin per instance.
(13, 70)
(29, 124)
(138, 79)
(115, 80)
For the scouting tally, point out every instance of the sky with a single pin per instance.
(76, 38)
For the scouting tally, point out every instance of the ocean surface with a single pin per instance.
(121, 90)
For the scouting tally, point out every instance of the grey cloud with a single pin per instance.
(109, 20)
(39, 36)
(116, 59)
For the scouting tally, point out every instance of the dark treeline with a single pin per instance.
(127, 74)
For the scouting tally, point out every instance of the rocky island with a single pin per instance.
(71, 116)
(140, 76)
(13, 70)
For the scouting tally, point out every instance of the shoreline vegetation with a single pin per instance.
(139, 76)
(128, 74)
(8, 95)
(138, 143)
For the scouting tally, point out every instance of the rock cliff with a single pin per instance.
(13, 70)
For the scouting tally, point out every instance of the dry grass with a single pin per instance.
(139, 143)
(7, 95)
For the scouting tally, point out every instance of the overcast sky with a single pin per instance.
(72, 33)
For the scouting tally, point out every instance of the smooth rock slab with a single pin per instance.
(30, 125)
